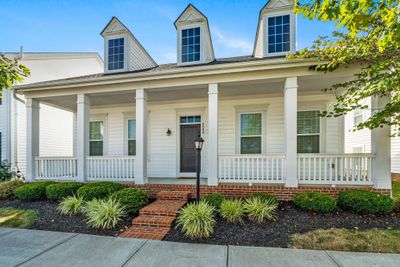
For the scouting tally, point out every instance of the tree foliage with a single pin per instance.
(368, 35)
(11, 71)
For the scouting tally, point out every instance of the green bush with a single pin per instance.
(197, 220)
(32, 191)
(133, 199)
(104, 213)
(315, 201)
(5, 171)
(214, 200)
(365, 202)
(98, 190)
(265, 197)
(258, 209)
(7, 188)
(232, 210)
(59, 191)
(71, 205)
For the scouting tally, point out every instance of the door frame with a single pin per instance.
(188, 112)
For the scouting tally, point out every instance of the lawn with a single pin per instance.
(396, 190)
(371, 240)
(17, 218)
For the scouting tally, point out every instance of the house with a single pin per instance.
(360, 141)
(56, 139)
(258, 114)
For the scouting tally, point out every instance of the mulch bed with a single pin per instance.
(290, 220)
(50, 219)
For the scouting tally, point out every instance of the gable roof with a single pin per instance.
(190, 6)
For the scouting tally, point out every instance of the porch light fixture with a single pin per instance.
(168, 132)
(198, 142)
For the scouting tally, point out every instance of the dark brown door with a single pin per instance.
(188, 150)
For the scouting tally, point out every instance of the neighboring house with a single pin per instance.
(56, 139)
(258, 114)
(360, 141)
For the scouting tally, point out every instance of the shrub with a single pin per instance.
(98, 190)
(7, 188)
(315, 201)
(232, 210)
(59, 191)
(214, 200)
(258, 209)
(365, 202)
(71, 205)
(265, 197)
(5, 171)
(104, 213)
(197, 220)
(32, 191)
(133, 199)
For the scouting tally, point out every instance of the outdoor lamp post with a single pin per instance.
(198, 142)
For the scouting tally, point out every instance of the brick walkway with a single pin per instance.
(155, 220)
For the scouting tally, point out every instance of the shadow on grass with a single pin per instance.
(15, 218)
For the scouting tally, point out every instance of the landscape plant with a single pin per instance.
(98, 190)
(32, 191)
(5, 171)
(232, 210)
(214, 199)
(258, 209)
(59, 191)
(315, 201)
(104, 213)
(71, 205)
(7, 188)
(266, 197)
(133, 199)
(365, 202)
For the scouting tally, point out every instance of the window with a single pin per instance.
(131, 137)
(250, 133)
(96, 138)
(190, 119)
(308, 131)
(357, 116)
(279, 34)
(190, 45)
(116, 54)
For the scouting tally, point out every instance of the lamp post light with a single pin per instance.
(198, 142)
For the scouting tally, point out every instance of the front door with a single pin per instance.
(189, 132)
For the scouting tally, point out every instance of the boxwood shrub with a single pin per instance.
(266, 197)
(315, 201)
(133, 199)
(59, 191)
(98, 190)
(365, 202)
(7, 188)
(214, 199)
(32, 191)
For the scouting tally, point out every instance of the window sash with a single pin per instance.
(278, 37)
(116, 53)
(190, 44)
(357, 116)
(308, 131)
(251, 135)
(96, 144)
(131, 136)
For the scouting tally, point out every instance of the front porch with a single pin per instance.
(253, 131)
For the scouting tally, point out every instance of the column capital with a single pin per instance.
(82, 99)
(212, 88)
(291, 83)
(32, 103)
(141, 94)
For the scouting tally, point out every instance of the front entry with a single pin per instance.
(189, 132)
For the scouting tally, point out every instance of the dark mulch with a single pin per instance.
(50, 219)
(290, 220)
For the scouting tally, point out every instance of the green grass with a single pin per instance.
(373, 240)
(396, 191)
(14, 218)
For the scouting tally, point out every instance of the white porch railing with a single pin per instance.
(268, 168)
(112, 168)
(56, 168)
(340, 169)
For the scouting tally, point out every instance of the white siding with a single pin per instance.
(3, 126)
(396, 155)
(138, 59)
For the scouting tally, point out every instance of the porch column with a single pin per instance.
(32, 137)
(380, 146)
(290, 107)
(212, 158)
(141, 137)
(82, 134)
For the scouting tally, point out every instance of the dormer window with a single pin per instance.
(116, 54)
(279, 34)
(190, 45)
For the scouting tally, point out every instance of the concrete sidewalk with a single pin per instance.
(19, 247)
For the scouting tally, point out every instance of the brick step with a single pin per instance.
(146, 232)
(167, 208)
(173, 195)
(153, 221)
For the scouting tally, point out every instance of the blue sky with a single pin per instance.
(74, 26)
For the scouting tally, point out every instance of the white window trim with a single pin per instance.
(292, 32)
(111, 37)
(202, 32)
(321, 130)
(96, 140)
(361, 114)
(126, 136)
(240, 131)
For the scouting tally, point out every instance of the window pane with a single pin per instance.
(116, 54)
(308, 144)
(250, 145)
(190, 45)
(307, 122)
(96, 148)
(96, 130)
(132, 129)
(278, 34)
(250, 124)
(132, 147)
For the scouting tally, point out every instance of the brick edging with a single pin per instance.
(281, 192)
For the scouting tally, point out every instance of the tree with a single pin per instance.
(368, 35)
(11, 71)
